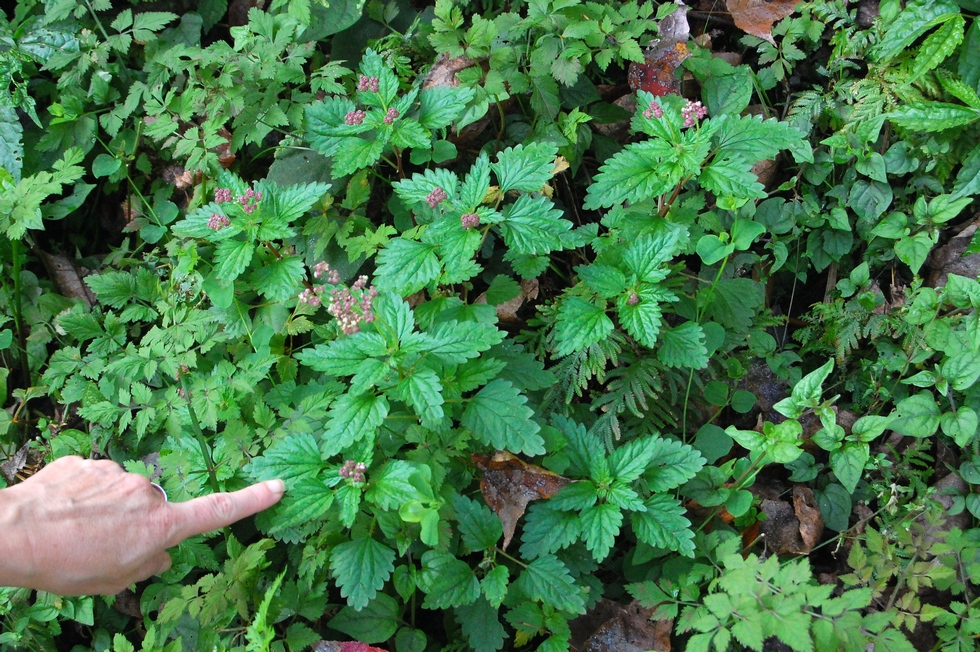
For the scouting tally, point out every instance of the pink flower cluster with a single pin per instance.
(436, 197)
(366, 83)
(322, 269)
(354, 117)
(311, 296)
(391, 115)
(469, 220)
(222, 195)
(653, 111)
(250, 200)
(692, 112)
(217, 221)
(633, 299)
(351, 309)
(353, 471)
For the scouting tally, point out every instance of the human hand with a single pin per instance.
(81, 527)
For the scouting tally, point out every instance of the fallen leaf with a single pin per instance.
(509, 484)
(808, 513)
(756, 17)
(66, 276)
(613, 627)
(443, 71)
(792, 529)
(343, 646)
(656, 73)
(507, 311)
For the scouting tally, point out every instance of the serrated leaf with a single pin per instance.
(478, 525)
(674, 463)
(112, 288)
(494, 585)
(447, 581)
(913, 21)
(731, 177)
(375, 623)
(280, 279)
(308, 499)
(232, 257)
(439, 106)
(481, 626)
(340, 357)
(643, 319)
(293, 457)
(683, 346)
(629, 461)
(532, 225)
(664, 525)
(351, 419)
(938, 46)
(752, 139)
(355, 154)
(361, 568)
(499, 417)
(456, 342)
(605, 280)
(548, 529)
(406, 266)
(392, 486)
(547, 580)
(646, 255)
(932, 116)
(600, 526)
(525, 167)
(579, 325)
(636, 173)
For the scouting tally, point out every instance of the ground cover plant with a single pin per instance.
(569, 325)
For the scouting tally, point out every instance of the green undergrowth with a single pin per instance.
(355, 244)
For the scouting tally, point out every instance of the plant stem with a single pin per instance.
(199, 435)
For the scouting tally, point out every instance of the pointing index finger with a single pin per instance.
(215, 511)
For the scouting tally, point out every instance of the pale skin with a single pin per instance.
(85, 527)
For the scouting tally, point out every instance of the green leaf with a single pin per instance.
(962, 369)
(502, 289)
(480, 527)
(731, 177)
(439, 106)
(664, 525)
(913, 21)
(752, 139)
(646, 255)
(968, 179)
(674, 463)
(351, 419)
(423, 392)
(280, 279)
(548, 529)
(355, 153)
(932, 116)
(11, 142)
(342, 357)
(494, 585)
(104, 165)
(712, 249)
(232, 257)
(913, 250)
(547, 580)
(532, 225)
(629, 461)
(643, 319)
(112, 288)
(600, 526)
(733, 302)
(393, 485)
(634, 174)
(499, 417)
(456, 342)
(361, 567)
(579, 325)
(728, 94)
(525, 167)
(916, 416)
(375, 623)
(294, 457)
(938, 46)
(683, 346)
(447, 581)
(292, 202)
(847, 463)
(960, 425)
(481, 626)
(406, 266)
(307, 500)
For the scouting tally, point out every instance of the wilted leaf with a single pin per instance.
(656, 73)
(756, 17)
(509, 484)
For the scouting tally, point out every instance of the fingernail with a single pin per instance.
(277, 487)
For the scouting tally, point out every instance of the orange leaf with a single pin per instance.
(756, 17)
(509, 484)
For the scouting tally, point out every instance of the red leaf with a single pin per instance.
(756, 17)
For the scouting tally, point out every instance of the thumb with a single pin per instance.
(215, 511)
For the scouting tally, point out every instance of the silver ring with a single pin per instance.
(160, 489)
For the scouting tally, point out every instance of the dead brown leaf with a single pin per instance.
(792, 529)
(756, 17)
(613, 627)
(656, 73)
(507, 311)
(509, 484)
(343, 646)
(443, 71)
(66, 276)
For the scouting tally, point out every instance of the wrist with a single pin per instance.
(15, 558)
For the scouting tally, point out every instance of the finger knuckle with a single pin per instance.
(223, 507)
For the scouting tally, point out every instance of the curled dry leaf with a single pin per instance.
(66, 276)
(792, 529)
(443, 71)
(656, 74)
(507, 311)
(509, 484)
(756, 17)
